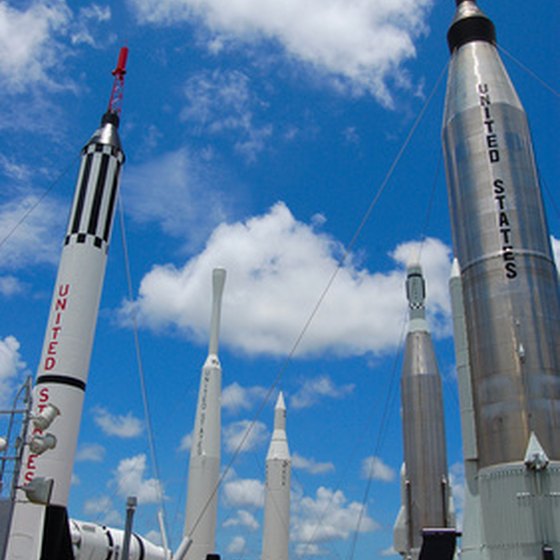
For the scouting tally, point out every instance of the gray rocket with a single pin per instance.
(511, 304)
(204, 466)
(426, 497)
(277, 490)
(41, 531)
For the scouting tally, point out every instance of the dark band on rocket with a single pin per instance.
(62, 380)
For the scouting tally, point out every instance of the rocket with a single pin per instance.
(511, 304)
(41, 531)
(277, 490)
(204, 467)
(426, 498)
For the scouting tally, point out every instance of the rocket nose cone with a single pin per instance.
(469, 24)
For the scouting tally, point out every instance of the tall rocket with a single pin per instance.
(204, 466)
(41, 531)
(277, 490)
(426, 499)
(511, 301)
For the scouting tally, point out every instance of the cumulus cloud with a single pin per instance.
(556, 250)
(123, 426)
(236, 397)
(363, 44)
(10, 286)
(186, 442)
(376, 469)
(328, 516)
(221, 102)
(310, 465)
(188, 207)
(244, 492)
(242, 518)
(313, 390)
(85, 28)
(101, 509)
(244, 435)
(28, 233)
(11, 367)
(457, 482)
(237, 545)
(130, 481)
(30, 45)
(277, 267)
(90, 452)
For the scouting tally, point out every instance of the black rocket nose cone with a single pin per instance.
(110, 117)
(470, 24)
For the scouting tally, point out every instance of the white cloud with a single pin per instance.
(310, 465)
(242, 518)
(457, 482)
(309, 549)
(556, 250)
(127, 426)
(363, 44)
(188, 207)
(389, 552)
(376, 469)
(10, 286)
(154, 537)
(186, 442)
(101, 509)
(221, 102)
(27, 232)
(277, 267)
(313, 390)
(244, 434)
(91, 452)
(236, 397)
(11, 367)
(237, 545)
(328, 516)
(30, 46)
(85, 27)
(247, 492)
(130, 481)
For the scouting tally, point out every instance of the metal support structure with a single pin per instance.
(131, 504)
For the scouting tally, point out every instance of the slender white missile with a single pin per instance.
(204, 466)
(472, 529)
(39, 531)
(511, 301)
(425, 487)
(277, 490)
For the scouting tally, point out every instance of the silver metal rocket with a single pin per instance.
(277, 490)
(511, 303)
(204, 466)
(39, 531)
(426, 497)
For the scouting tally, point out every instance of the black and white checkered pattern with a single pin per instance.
(96, 193)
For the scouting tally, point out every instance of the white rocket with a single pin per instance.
(426, 496)
(41, 531)
(510, 347)
(204, 467)
(277, 490)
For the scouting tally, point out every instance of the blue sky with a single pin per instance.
(257, 135)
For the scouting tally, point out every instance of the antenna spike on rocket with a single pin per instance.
(115, 101)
